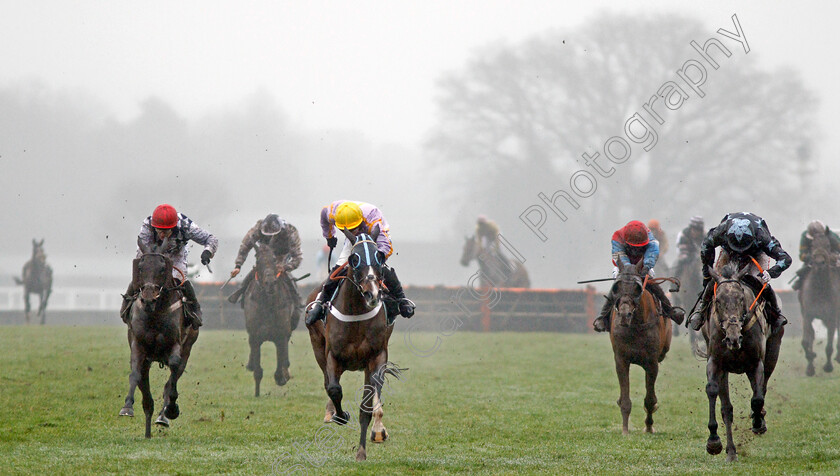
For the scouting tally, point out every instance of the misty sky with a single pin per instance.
(365, 68)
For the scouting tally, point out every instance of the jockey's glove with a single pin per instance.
(615, 272)
(205, 257)
(332, 241)
(765, 276)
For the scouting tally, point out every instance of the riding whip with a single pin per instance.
(596, 280)
(226, 283)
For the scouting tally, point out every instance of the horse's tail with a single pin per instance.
(18, 281)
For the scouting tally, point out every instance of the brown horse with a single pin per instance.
(272, 312)
(639, 335)
(736, 336)
(496, 270)
(157, 332)
(354, 336)
(36, 279)
(819, 298)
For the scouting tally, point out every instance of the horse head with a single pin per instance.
(731, 304)
(470, 250)
(268, 268)
(628, 289)
(154, 272)
(821, 255)
(365, 263)
(38, 254)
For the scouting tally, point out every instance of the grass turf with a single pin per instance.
(498, 403)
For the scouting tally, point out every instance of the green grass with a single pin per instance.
(497, 403)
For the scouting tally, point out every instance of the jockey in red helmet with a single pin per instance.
(631, 244)
(176, 230)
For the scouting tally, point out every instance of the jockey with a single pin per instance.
(656, 229)
(814, 229)
(688, 243)
(167, 224)
(487, 235)
(357, 218)
(743, 237)
(286, 247)
(631, 244)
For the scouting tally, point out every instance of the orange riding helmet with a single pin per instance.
(636, 233)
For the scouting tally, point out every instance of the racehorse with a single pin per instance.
(271, 314)
(37, 279)
(737, 341)
(639, 335)
(496, 271)
(354, 336)
(819, 298)
(690, 276)
(157, 332)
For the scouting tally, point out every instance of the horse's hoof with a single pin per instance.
(341, 419)
(731, 458)
(280, 379)
(361, 455)
(378, 436)
(625, 431)
(760, 430)
(809, 371)
(162, 421)
(650, 429)
(714, 446)
(828, 367)
(127, 411)
(328, 417)
(172, 411)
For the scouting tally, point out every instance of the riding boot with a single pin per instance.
(234, 298)
(801, 273)
(674, 313)
(602, 322)
(317, 311)
(395, 289)
(128, 298)
(695, 322)
(193, 309)
(776, 319)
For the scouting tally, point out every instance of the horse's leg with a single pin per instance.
(27, 307)
(829, 345)
(757, 402)
(133, 380)
(713, 378)
(622, 369)
(42, 305)
(281, 375)
(651, 371)
(317, 339)
(365, 415)
(254, 362)
(371, 403)
(162, 418)
(726, 411)
(333, 387)
(170, 409)
(808, 343)
(148, 401)
(837, 327)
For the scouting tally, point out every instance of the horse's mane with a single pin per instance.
(729, 270)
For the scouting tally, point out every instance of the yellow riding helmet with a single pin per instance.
(348, 215)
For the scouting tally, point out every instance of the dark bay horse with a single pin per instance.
(819, 298)
(736, 334)
(157, 332)
(496, 271)
(36, 279)
(354, 336)
(639, 335)
(272, 312)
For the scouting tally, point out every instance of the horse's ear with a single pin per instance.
(34, 243)
(639, 266)
(348, 235)
(742, 272)
(620, 265)
(42, 242)
(714, 274)
(374, 233)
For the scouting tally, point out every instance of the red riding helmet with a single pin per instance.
(165, 216)
(636, 233)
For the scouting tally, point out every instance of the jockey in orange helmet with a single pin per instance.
(631, 244)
